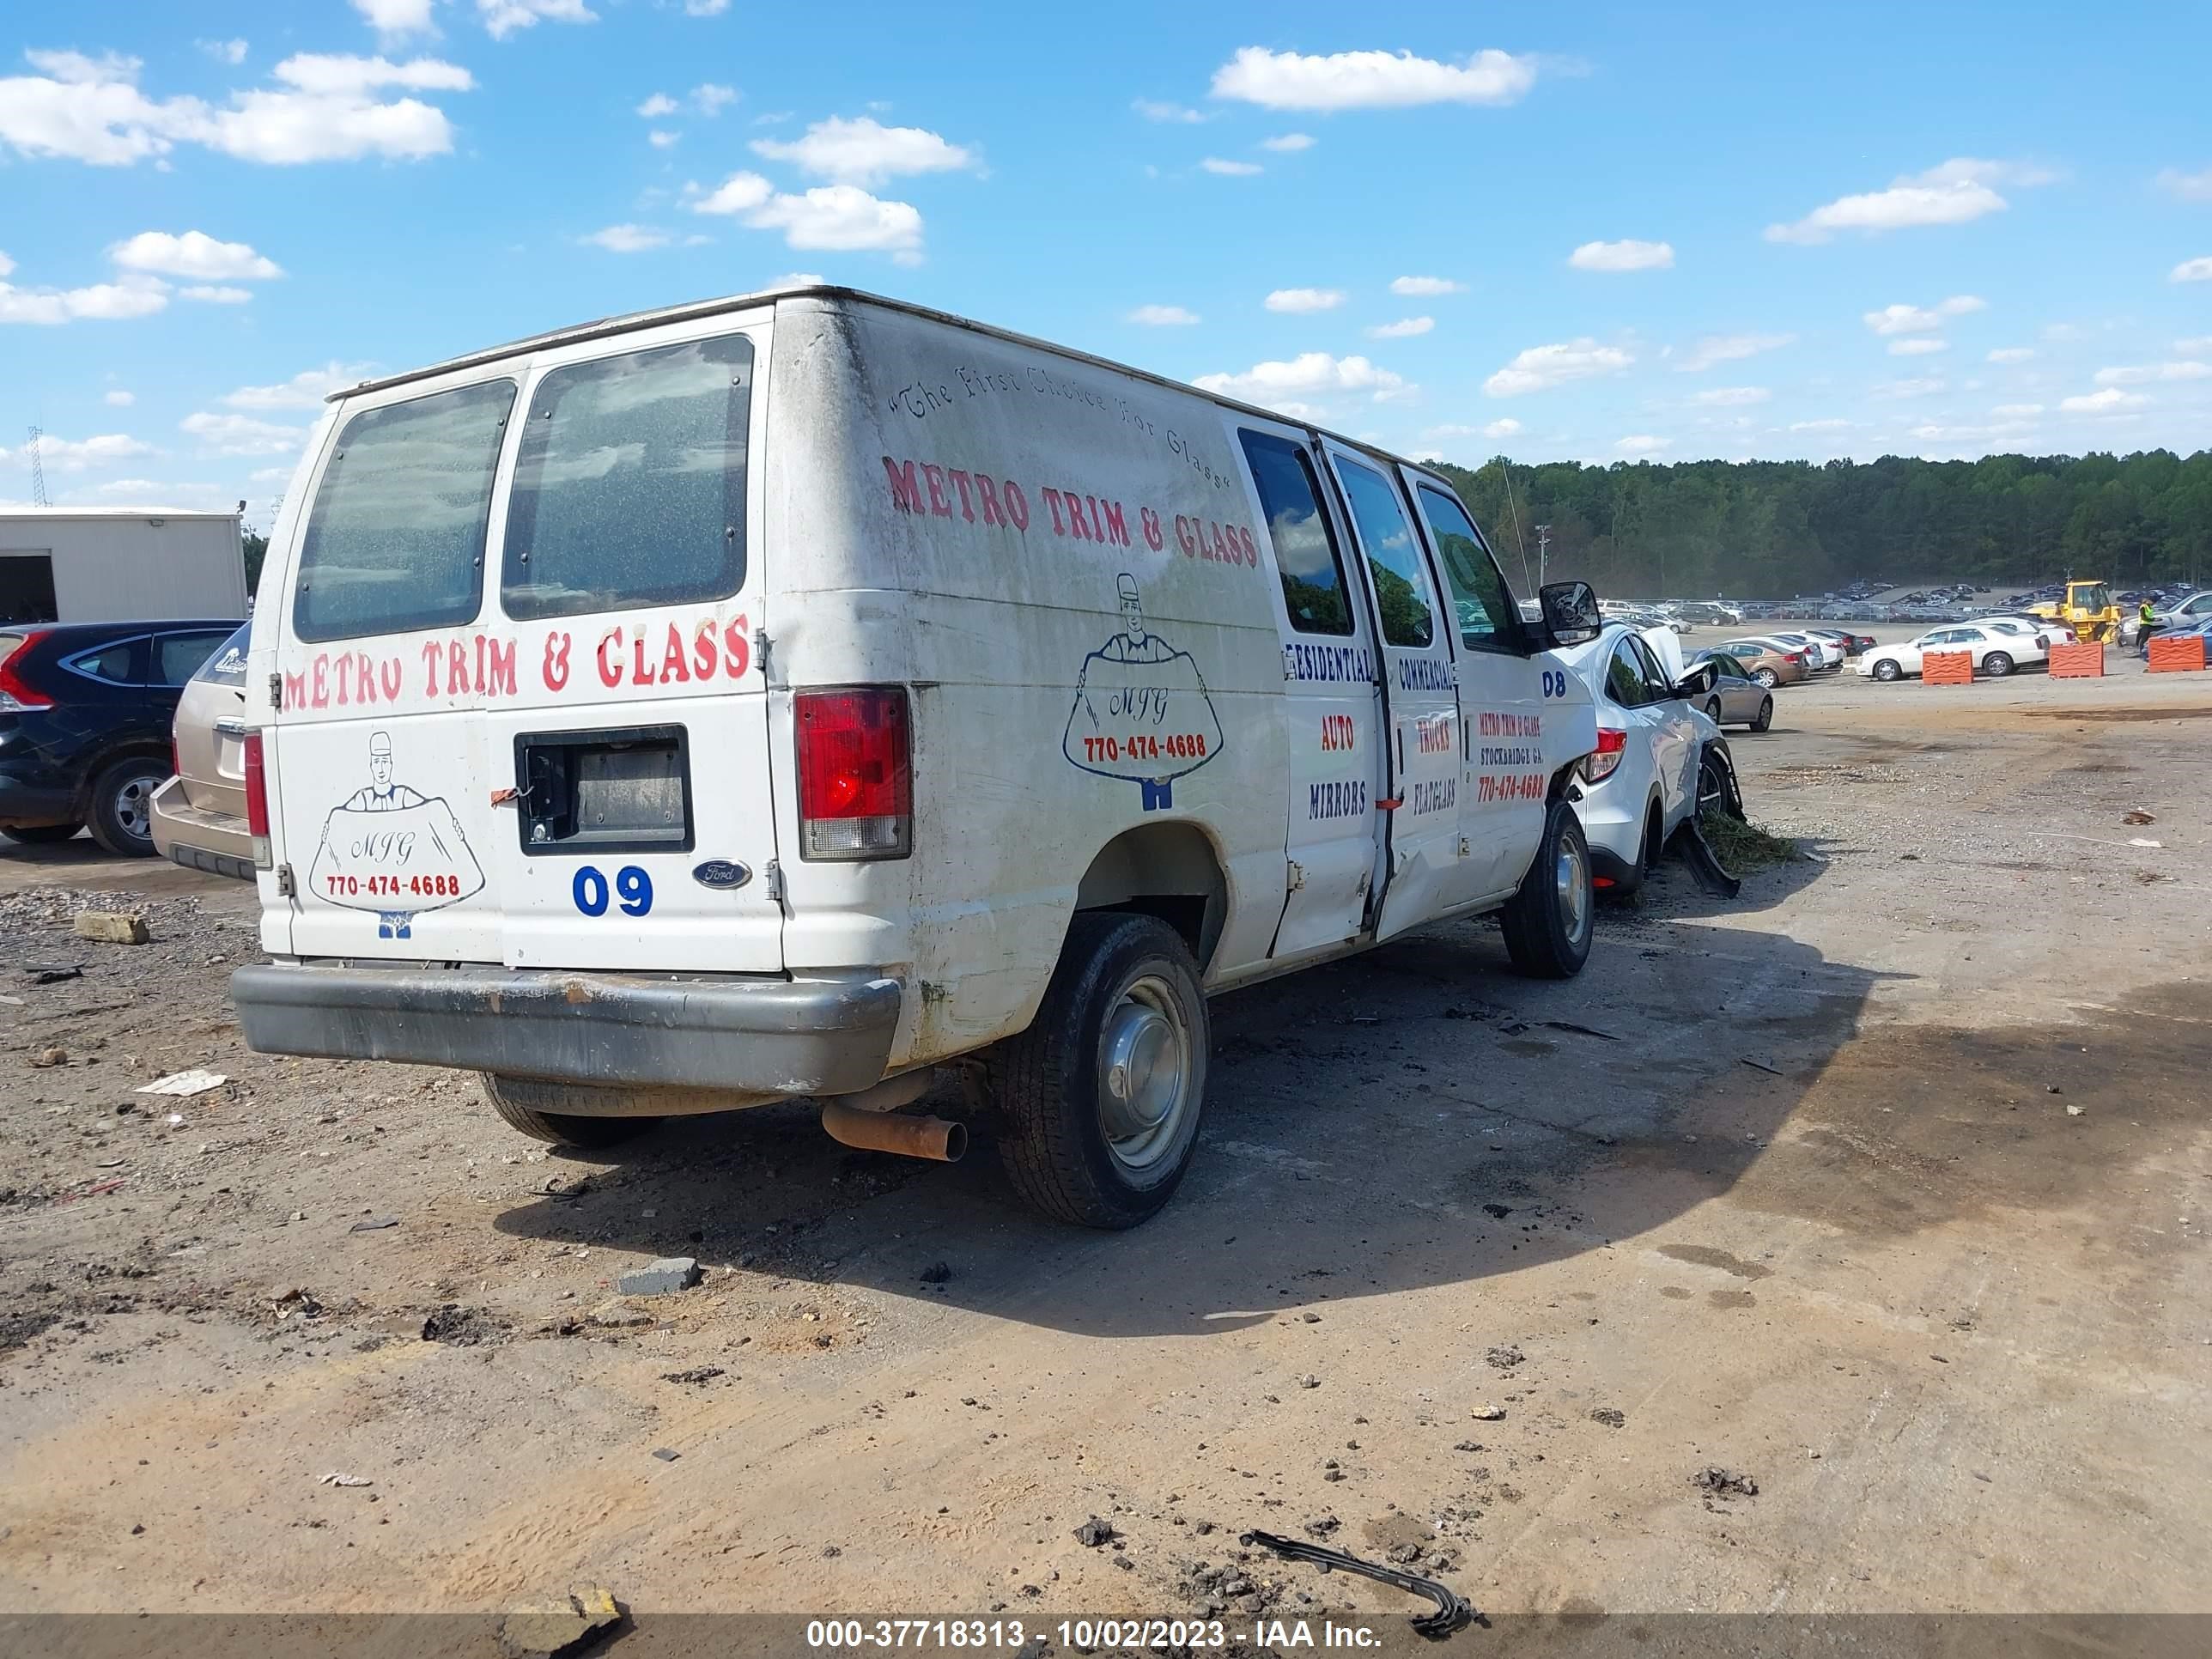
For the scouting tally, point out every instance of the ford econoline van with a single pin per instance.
(786, 695)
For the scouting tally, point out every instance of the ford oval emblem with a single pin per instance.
(720, 872)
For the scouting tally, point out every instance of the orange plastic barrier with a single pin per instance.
(2175, 656)
(1947, 668)
(2077, 662)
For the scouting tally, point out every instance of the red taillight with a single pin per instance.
(257, 802)
(14, 695)
(855, 773)
(1599, 766)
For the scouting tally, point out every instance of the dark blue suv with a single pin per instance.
(85, 712)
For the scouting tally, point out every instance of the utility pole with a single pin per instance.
(1543, 543)
(37, 470)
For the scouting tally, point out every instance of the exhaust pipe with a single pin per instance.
(938, 1138)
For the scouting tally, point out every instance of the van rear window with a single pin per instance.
(396, 538)
(630, 485)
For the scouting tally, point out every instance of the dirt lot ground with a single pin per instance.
(1885, 1185)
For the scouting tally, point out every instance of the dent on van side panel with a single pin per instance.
(1059, 560)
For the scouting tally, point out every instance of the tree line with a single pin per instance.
(1776, 529)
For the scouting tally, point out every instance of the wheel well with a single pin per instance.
(1169, 871)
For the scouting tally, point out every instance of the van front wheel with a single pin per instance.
(1549, 921)
(521, 1104)
(1100, 1098)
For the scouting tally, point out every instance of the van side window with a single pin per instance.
(1487, 616)
(1305, 550)
(396, 538)
(629, 488)
(1401, 592)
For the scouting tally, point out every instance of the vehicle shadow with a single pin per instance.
(1412, 1118)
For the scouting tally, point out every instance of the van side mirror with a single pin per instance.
(1570, 613)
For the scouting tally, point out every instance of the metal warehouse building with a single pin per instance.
(69, 564)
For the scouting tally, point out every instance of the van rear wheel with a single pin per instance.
(1549, 921)
(532, 1106)
(1101, 1098)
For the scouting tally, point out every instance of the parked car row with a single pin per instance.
(1998, 645)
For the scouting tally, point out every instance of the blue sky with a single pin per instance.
(1595, 233)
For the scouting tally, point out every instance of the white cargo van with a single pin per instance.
(784, 696)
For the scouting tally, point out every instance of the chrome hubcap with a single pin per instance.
(1571, 883)
(134, 808)
(1144, 1072)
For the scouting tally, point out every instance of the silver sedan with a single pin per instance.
(1736, 699)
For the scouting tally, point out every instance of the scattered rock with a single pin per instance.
(561, 1630)
(937, 1273)
(666, 1277)
(1724, 1483)
(666, 1454)
(1310, 1381)
(1497, 1211)
(1095, 1534)
(696, 1374)
(109, 927)
(1321, 1526)
(614, 1314)
(1611, 1418)
(375, 1224)
(2072, 1110)
(1504, 1359)
(47, 1057)
(1310, 1318)
(1490, 1414)
(461, 1328)
(2138, 816)
(336, 1479)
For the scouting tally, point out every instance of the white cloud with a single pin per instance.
(1504, 428)
(194, 254)
(2017, 411)
(1312, 373)
(2144, 373)
(1728, 349)
(2012, 353)
(710, 99)
(864, 152)
(120, 399)
(837, 216)
(2189, 186)
(2202, 343)
(1919, 388)
(1229, 169)
(1545, 366)
(2106, 402)
(796, 279)
(660, 139)
(1162, 316)
(627, 239)
(1299, 301)
(81, 454)
(1917, 345)
(1731, 397)
(1154, 110)
(658, 104)
(132, 296)
(503, 17)
(2193, 270)
(1422, 287)
(224, 52)
(1915, 320)
(1956, 191)
(1623, 256)
(395, 18)
(1370, 80)
(305, 390)
(1643, 443)
(1404, 329)
(1829, 425)
(213, 294)
(239, 434)
(349, 76)
(705, 7)
(1288, 142)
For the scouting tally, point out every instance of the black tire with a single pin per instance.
(122, 816)
(41, 834)
(1887, 670)
(1117, 973)
(1765, 716)
(522, 1104)
(1713, 710)
(1996, 664)
(1767, 677)
(1717, 789)
(1547, 933)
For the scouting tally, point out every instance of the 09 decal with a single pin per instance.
(632, 892)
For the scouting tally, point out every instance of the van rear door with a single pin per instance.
(522, 720)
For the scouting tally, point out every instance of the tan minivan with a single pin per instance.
(199, 815)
